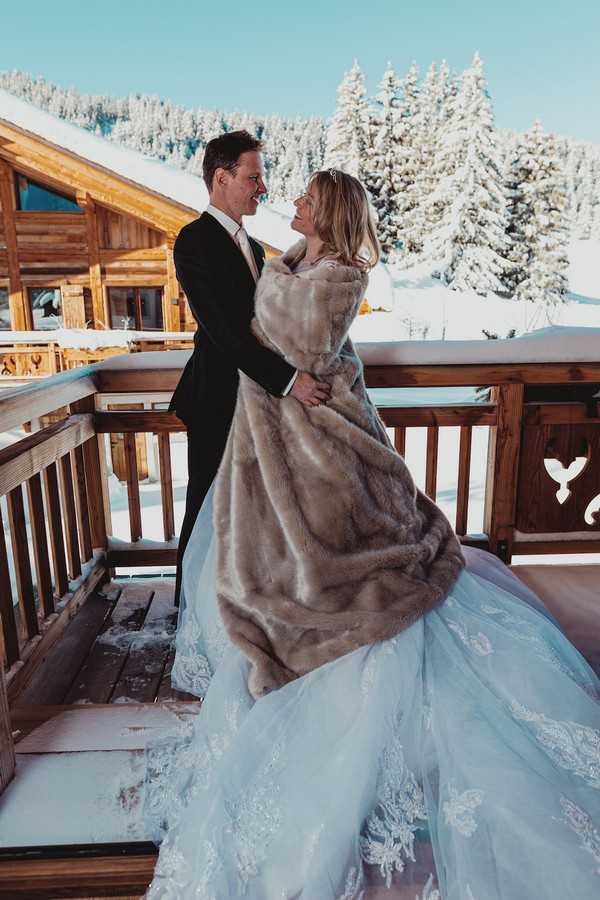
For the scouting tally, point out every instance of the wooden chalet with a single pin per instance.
(72, 700)
(86, 241)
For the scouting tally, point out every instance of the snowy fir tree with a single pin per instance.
(347, 135)
(382, 164)
(468, 240)
(411, 135)
(538, 220)
(436, 168)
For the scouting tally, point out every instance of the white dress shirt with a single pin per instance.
(234, 228)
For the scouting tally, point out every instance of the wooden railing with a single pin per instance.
(64, 469)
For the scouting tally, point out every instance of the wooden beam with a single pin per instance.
(7, 749)
(390, 376)
(503, 467)
(65, 472)
(133, 381)
(10, 635)
(57, 539)
(36, 649)
(141, 421)
(400, 439)
(29, 401)
(171, 294)
(166, 485)
(99, 306)
(64, 874)
(481, 374)
(538, 414)
(418, 416)
(40, 545)
(22, 562)
(24, 459)
(127, 554)
(464, 474)
(96, 476)
(133, 487)
(137, 254)
(431, 464)
(560, 545)
(20, 313)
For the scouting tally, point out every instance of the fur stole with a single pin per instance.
(324, 542)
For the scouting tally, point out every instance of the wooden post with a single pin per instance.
(99, 305)
(96, 480)
(171, 297)
(502, 469)
(7, 749)
(21, 318)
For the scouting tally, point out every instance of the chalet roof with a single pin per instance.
(185, 190)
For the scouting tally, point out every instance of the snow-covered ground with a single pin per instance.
(424, 309)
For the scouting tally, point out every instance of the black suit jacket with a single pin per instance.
(220, 290)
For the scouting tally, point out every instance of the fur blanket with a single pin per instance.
(324, 542)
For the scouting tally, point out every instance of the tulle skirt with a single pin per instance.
(459, 760)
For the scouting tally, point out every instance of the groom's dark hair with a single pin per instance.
(223, 152)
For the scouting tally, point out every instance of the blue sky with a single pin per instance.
(542, 59)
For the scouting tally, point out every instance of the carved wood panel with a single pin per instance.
(559, 479)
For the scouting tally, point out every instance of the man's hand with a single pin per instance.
(309, 391)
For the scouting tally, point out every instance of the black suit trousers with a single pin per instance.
(205, 452)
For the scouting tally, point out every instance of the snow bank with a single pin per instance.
(552, 344)
(584, 271)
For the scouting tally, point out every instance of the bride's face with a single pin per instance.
(303, 220)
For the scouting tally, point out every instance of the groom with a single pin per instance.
(217, 266)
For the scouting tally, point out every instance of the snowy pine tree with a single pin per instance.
(347, 135)
(410, 162)
(468, 241)
(436, 103)
(538, 227)
(382, 173)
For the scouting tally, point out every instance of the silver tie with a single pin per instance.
(244, 245)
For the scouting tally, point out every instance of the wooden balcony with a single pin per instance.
(87, 654)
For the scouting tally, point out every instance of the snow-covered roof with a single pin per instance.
(182, 187)
(548, 345)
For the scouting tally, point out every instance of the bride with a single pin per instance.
(385, 715)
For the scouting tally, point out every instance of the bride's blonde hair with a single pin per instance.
(343, 219)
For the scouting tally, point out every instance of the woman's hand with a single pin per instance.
(309, 391)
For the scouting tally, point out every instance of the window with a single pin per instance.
(4, 310)
(36, 197)
(46, 307)
(136, 309)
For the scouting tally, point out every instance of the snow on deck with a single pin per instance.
(79, 775)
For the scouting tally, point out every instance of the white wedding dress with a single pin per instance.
(459, 760)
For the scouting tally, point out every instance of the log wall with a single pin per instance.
(84, 253)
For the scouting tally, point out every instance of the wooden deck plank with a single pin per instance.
(112, 875)
(143, 669)
(55, 675)
(94, 726)
(165, 690)
(101, 671)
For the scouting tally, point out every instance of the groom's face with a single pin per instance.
(243, 187)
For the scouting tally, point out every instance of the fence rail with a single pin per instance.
(64, 466)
